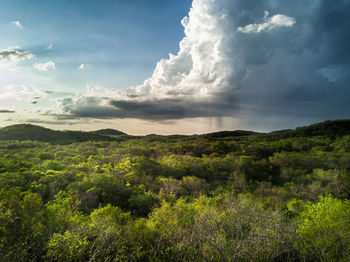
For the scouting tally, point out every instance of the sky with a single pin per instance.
(174, 67)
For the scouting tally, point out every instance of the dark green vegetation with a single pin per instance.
(228, 196)
(31, 132)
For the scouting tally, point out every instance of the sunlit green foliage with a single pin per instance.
(216, 197)
(324, 230)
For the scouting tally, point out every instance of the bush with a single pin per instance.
(324, 230)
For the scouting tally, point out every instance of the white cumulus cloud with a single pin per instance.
(208, 63)
(17, 23)
(45, 66)
(269, 24)
(203, 64)
(84, 67)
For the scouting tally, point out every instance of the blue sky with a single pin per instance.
(122, 40)
(165, 66)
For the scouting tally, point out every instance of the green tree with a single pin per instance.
(324, 230)
(21, 227)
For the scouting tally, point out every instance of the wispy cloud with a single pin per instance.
(14, 54)
(49, 47)
(84, 67)
(10, 57)
(269, 24)
(45, 67)
(13, 93)
(17, 24)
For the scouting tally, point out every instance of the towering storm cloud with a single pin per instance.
(254, 60)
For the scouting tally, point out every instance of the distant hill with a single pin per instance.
(236, 133)
(108, 132)
(33, 132)
(326, 128)
(334, 127)
(283, 131)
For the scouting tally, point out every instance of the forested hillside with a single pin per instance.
(38, 133)
(227, 196)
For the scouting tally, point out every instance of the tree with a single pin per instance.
(21, 228)
(324, 230)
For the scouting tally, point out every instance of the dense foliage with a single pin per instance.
(220, 197)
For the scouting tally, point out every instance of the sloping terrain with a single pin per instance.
(33, 132)
(108, 132)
